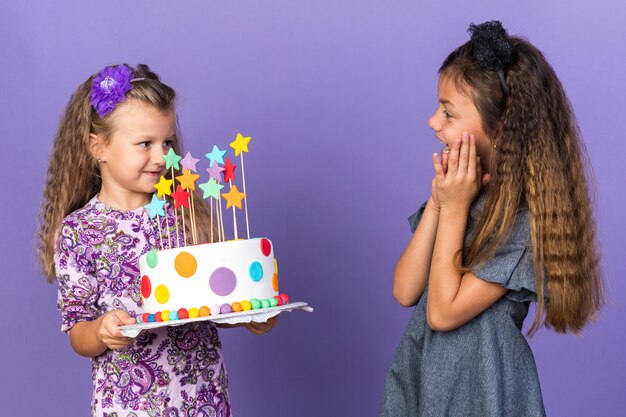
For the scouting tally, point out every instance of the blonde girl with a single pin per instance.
(107, 156)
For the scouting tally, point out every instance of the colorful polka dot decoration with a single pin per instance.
(204, 311)
(266, 247)
(256, 271)
(146, 286)
(222, 281)
(275, 282)
(152, 258)
(185, 264)
(162, 294)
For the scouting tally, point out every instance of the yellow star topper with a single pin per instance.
(188, 180)
(233, 197)
(240, 144)
(163, 187)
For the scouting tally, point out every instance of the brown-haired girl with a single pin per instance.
(508, 222)
(107, 156)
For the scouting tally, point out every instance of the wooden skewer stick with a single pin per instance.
(221, 217)
(234, 214)
(175, 217)
(160, 233)
(192, 218)
(182, 210)
(211, 201)
(245, 199)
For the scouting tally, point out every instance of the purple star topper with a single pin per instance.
(109, 88)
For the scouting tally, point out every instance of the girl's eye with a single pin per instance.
(446, 114)
(144, 144)
(168, 143)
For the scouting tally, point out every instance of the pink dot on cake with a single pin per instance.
(185, 264)
(222, 281)
(266, 247)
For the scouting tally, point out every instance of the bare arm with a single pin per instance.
(413, 267)
(455, 298)
(93, 338)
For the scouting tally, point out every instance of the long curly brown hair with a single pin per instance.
(540, 159)
(73, 173)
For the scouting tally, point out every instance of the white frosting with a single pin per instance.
(197, 290)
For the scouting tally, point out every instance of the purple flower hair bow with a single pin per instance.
(109, 88)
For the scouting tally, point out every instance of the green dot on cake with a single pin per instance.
(152, 258)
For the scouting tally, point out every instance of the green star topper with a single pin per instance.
(171, 159)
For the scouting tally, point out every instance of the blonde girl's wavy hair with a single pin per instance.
(540, 159)
(73, 173)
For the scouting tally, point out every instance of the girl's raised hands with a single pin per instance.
(461, 183)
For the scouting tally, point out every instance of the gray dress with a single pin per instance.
(483, 368)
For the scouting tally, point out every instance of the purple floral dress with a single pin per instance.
(172, 371)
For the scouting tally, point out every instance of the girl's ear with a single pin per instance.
(96, 147)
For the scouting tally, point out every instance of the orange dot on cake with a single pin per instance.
(275, 282)
(185, 264)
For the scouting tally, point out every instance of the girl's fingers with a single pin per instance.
(439, 175)
(453, 157)
(463, 154)
(444, 162)
(471, 163)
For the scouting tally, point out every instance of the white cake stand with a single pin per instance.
(260, 315)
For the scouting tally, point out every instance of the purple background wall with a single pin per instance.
(336, 95)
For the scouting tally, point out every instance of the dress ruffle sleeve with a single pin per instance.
(415, 218)
(75, 272)
(512, 264)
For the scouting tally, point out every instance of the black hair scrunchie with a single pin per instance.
(491, 48)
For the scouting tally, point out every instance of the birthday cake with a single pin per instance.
(210, 279)
(224, 276)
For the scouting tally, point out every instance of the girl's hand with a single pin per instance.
(434, 201)
(260, 328)
(254, 327)
(460, 184)
(108, 331)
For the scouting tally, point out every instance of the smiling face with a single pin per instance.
(132, 157)
(455, 115)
